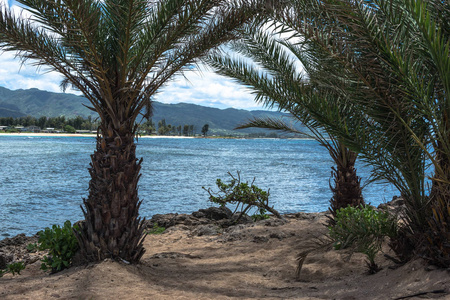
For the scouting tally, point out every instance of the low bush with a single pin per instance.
(363, 228)
(243, 196)
(61, 244)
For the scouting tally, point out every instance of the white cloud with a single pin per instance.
(14, 75)
(208, 89)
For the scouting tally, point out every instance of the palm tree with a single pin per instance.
(396, 55)
(269, 66)
(118, 53)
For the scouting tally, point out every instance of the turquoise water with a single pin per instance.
(43, 179)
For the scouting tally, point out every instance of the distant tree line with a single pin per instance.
(61, 122)
(163, 128)
(79, 123)
(271, 135)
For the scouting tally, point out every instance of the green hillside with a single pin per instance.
(37, 103)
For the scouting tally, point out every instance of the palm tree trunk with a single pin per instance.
(347, 185)
(112, 228)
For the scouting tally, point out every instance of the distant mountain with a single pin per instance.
(37, 103)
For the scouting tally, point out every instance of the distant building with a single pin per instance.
(82, 131)
(32, 128)
(86, 131)
(49, 130)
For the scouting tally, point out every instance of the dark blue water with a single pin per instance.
(43, 179)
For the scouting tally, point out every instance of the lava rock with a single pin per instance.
(204, 230)
(214, 213)
(3, 262)
(260, 239)
(272, 222)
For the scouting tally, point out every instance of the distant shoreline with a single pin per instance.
(140, 137)
(86, 135)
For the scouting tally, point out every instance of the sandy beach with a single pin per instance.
(252, 261)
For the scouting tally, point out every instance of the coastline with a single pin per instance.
(30, 134)
(87, 135)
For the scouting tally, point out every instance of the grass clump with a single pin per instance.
(156, 229)
(363, 228)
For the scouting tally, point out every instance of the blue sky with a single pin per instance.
(199, 87)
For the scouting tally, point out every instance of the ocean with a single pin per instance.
(44, 179)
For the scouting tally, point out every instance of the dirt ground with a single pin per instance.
(256, 261)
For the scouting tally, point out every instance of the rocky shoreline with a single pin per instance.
(218, 222)
(213, 221)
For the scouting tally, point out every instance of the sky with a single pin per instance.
(202, 87)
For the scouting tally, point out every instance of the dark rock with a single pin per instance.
(199, 214)
(234, 233)
(166, 220)
(394, 203)
(209, 229)
(301, 216)
(3, 262)
(14, 241)
(272, 222)
(260, 239)
(278, 235)
(214, 213)
(174, 255)
(244, 219)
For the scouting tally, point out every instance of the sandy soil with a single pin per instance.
(256, 261)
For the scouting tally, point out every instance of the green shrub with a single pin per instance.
(61, 244)
(364, 229)
(242, 195)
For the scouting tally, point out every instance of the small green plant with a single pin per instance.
(13, 268)
(16, 268)
(32, 247)
(61, 244)
(243, 195)
(156, 229)
(261, 214)
(364, 229)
